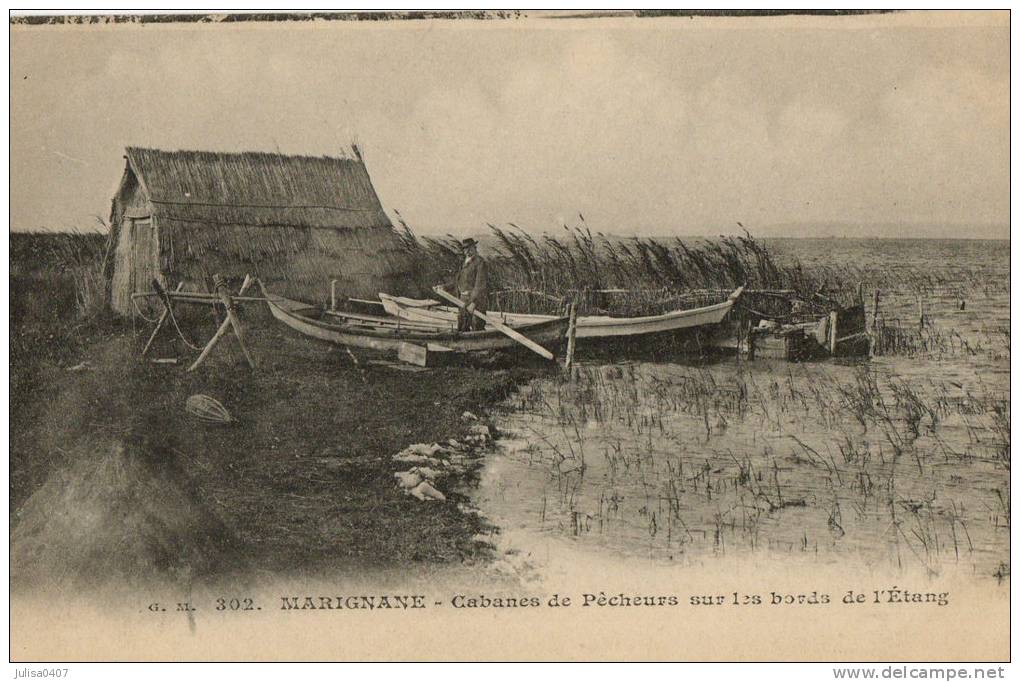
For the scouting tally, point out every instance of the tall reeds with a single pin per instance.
(607, 274)
(66, 266)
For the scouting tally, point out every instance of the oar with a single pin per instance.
(496, 324)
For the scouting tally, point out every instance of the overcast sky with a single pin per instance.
(643, 125)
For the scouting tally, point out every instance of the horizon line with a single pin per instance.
(649, 235)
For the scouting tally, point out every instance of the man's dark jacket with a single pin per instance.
(472, 278)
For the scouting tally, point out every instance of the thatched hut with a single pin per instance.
(296, 222)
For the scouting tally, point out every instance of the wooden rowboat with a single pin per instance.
(362, 332)
(588, 327)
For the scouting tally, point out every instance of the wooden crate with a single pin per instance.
(794, 346)
(770, 347)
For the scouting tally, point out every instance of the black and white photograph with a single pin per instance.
(510, 335)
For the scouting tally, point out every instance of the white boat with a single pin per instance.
(364, 331)
(427, 311)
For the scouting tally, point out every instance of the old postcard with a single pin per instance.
(510, 336)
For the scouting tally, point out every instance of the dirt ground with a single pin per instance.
(277, 478)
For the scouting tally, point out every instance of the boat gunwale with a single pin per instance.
(401, 334)
(590, 321)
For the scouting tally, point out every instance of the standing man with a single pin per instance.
(472, 287)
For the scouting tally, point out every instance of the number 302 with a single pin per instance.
(246, 604)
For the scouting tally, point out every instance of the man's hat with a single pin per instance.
(464, 243)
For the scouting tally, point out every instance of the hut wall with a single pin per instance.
(120, 285)
(134, 259)
(298, 262)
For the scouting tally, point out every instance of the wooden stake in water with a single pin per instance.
(571, 336)
(833, 316)
(874, 312)
(873, 341)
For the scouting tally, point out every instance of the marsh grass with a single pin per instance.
(762, 457)
(66, 267)
(622, 276)
(58, 303)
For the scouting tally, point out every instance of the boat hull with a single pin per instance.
(593, 327)
(304, 319)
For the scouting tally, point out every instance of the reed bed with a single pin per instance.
(58, 302)
(801, 459)
(622, 276)
(68, 265)
(607, 274)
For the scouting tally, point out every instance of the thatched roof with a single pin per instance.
(294, 221)
(258, 189)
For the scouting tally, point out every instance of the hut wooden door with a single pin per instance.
(144, 259)
(144, 255)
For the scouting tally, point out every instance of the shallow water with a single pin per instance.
(897, 462)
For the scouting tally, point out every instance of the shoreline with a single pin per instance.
(303, 481)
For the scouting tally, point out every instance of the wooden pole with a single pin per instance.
(874, 312)
(198, 297)
(571, 336)
(332, 294)
(833, 316)
(496, 324)
(227, 324)
(232, 317)
(873, 343)
(167, 303)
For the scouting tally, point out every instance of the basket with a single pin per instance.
(206, 409)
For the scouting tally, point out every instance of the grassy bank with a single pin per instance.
(304, 478)
(56, 302)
